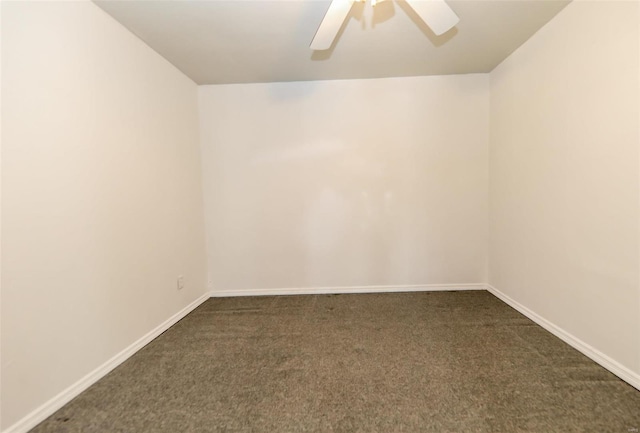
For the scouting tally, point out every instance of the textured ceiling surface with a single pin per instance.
(239, 41)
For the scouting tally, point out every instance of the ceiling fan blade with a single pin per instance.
(435, 13)
(331, 24)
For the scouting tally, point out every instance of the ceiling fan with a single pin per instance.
(435, 13)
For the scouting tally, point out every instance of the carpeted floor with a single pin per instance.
(406, 362)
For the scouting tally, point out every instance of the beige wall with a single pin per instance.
(1, 99)
(564, 176)
(346, 183)
(102, 204)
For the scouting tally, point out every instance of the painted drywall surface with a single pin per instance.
(346, 183)
(564, 176)
(0, 211)
(102, 199)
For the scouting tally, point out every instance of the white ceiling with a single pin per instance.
(239, 41)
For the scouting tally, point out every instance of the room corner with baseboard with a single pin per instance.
(101, 201)
(563, 236)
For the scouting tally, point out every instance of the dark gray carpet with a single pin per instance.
(406, 362)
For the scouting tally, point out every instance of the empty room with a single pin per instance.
(320, 216)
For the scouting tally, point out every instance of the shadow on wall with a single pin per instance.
(281, 92)
(350, 205)
(358, 183)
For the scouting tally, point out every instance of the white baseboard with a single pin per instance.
(605, 361)
(345, 290)
(47, 409)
